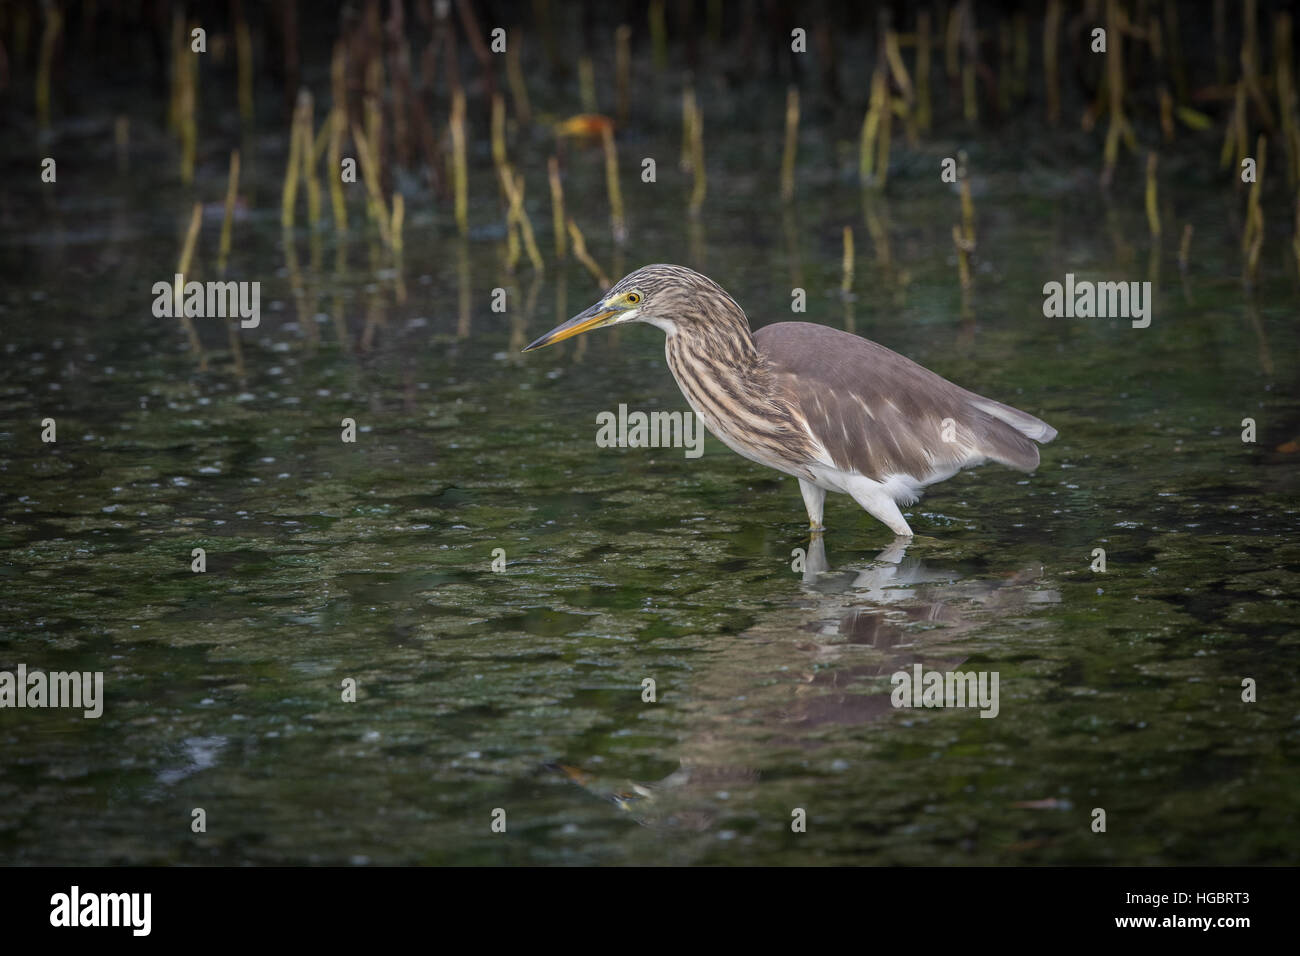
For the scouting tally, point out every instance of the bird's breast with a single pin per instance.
(736, 405)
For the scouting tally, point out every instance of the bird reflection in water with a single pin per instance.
(820, 662)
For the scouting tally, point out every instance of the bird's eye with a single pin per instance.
(634, 297)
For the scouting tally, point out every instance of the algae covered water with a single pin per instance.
(476, 612)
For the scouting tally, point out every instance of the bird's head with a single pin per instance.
(663, 295)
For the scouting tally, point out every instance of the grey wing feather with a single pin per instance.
(879, 413)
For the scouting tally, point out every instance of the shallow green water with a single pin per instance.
(372, 560)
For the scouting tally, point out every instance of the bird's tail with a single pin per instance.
(1023, 422)
(1012, 445)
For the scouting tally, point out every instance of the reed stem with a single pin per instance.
(289, 199)
(525, 225)
(700, 186)
(791, 143)
(877, 112)
(232, 193)
(399, 218)
(1115, 87)
(376, 205)
(582, 255)
(515, 77)
(187, 67)
(617, 222)
(963, 257)
(658, 34)
(846, 283)
(923, 41)
(1284, 81)
(1185, 249)
(1295, 238)
(182, 269)
(688, 133)
(967, 203)
(557, 207)
(312, 148)
(337, 126)
(1153, 208)
(1253, 237)
(499, 140)
(1051, 71)
(459, 174)
(970, 48)
(50, 35)
(963, 237)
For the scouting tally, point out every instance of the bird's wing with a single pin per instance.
(879, 414)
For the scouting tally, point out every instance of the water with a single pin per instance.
(522, 690)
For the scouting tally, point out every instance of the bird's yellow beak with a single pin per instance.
(592, 318)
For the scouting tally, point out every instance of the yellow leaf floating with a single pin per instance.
(1192, 119)
(584, 125)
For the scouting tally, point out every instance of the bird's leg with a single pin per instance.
(816, 562)
(895, 553)
(879, 505)
(813, 499)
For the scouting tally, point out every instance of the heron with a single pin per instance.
(837, 411)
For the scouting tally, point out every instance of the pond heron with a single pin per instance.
(836, 411)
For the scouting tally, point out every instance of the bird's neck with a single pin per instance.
(721, 349)
(733, 389)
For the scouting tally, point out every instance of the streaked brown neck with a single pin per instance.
(725, 379)
(723, 338)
